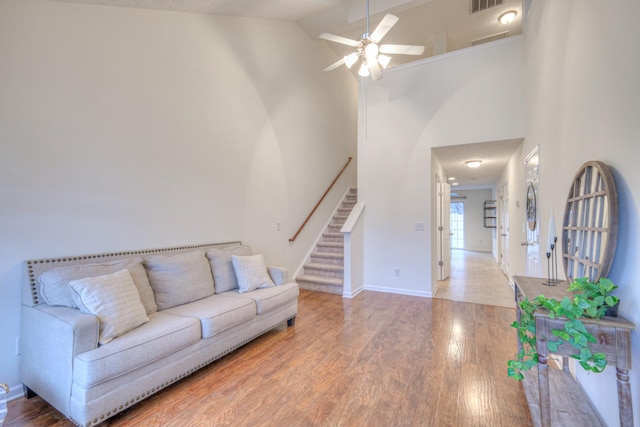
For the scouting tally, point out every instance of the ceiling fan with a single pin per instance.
(368, 48)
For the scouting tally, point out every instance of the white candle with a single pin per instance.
(552, 231)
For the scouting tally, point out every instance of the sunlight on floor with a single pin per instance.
(476, 278)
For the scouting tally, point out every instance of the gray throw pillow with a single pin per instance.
(179, 279)
(224, 275)
(54, 284)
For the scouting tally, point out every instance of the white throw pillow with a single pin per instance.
(251, 273)
(114, 300)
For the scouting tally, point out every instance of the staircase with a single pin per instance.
(324, 270)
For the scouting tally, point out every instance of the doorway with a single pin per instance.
(457, 224)
(503, 230)
(498, 163)
(443, 202)
(532, 220)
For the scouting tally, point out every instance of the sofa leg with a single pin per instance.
(28, 393)
(291, 321)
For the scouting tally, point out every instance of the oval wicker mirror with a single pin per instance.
(532, 213)
(590, 226)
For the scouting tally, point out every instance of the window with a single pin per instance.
(457, 225)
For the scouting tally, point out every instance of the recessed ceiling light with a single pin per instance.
(473, 163)
(454, 183)
(451, 178)
(507, 17)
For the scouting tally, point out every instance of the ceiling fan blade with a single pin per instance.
(383, 27)
(339, 39)
(334, 65)
(374, 69)
(402, 49)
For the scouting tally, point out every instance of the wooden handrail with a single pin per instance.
(320, 201)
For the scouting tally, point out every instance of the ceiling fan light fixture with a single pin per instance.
(364, 70)
(473, 163)
(368, 48)
(507, 17)
(384, 60)
(371, 51)
(351, 59)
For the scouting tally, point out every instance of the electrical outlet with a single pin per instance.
(17, 346)
(396, 272)
(277, 226)
(419, 226)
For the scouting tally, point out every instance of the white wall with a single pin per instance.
(476, 236)
(126, 128)
(469, 96)
(513, 177)
(583, 64)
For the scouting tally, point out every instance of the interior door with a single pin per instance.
(532, 217)
(445, 268)
(503, 206)
(443, 219)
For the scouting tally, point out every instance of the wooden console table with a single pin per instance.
(613, 336)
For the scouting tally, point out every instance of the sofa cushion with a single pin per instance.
(114, 300)
(217, 313)
(179, 279)
(269, 299)
(223, 275)
(54, 284)
(161, 336)
(251, 273)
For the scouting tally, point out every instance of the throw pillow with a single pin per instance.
(114, 300)
(251, 273)
(224, 278)
(54, 284)
(179, 279)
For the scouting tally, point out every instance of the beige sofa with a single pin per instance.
(91, 348)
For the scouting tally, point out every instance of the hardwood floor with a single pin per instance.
(476, 277)
(375, 360)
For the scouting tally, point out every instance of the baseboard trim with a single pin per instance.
(409, 292)
(15, 392)
(353, 293)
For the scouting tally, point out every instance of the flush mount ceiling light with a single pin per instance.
(507, 17)
(473, 163)
(368, 51)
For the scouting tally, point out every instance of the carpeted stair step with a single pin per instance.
(330, 285)
(324, 270)
(333, 247)
(334, 228)
(326, 258)
(332, 237)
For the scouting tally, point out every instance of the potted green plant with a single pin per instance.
(590, 300)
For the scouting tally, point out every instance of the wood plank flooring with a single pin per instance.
(476, 277)
(375, 360)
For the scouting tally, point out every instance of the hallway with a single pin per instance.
(476, 278)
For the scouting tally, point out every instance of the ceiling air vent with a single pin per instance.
(478, 5)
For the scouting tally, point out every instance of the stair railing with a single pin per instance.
(291, 240)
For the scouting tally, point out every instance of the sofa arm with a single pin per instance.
(279, 275)
(51, 338)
